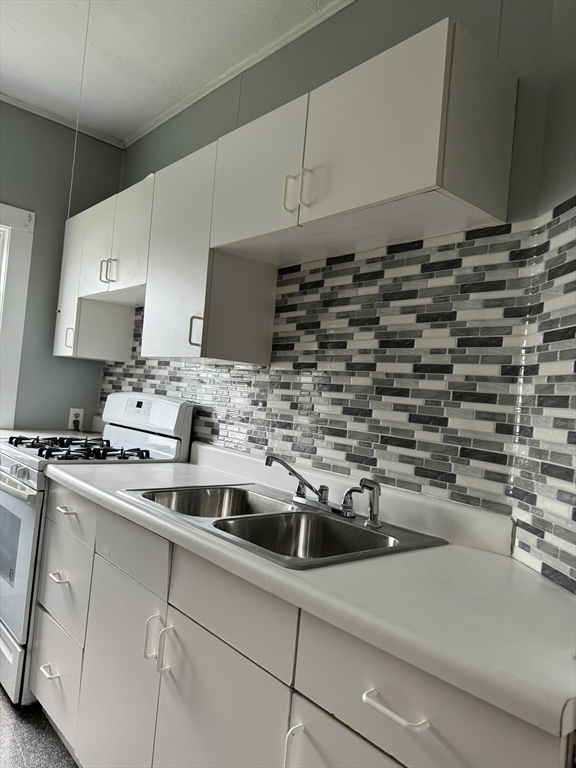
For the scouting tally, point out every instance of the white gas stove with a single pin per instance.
(138, 428)
(144, 428)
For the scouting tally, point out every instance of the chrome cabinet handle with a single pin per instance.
(193, 343)
(289, 736)
(65, 510)
(47, 672)
(160, 668)
(109, 277)
(301, 187)
(103, 279)
(370, 698)
(154, 654)
(285, 194)
(70, 346)
(55, 576)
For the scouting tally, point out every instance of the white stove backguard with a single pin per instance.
(151, 413)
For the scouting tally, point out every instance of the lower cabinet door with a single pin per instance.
(216, 707)
(55, 673)
(119, 691)
(316, 740)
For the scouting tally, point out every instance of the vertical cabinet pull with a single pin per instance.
(64, 510)
(103, 279)
(370, 698)
(147, 654)
(285, 194)
(47, 672)
(301, 188)
(55, 576)
(193, 343)
(160, 668)
(289, 736)
(70, 346)
(109, 277)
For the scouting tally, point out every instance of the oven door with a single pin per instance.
(19, 525)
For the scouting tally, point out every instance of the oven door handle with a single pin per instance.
(15, 488)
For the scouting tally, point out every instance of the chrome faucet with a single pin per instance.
(373, 503)
(347, 506)
(299, 497)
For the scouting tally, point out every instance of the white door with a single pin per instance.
(67, 312)
(119, 690)
(216, 707)
(374, 133)
(131, 235)
(178, 260)
(257, 175)
(97, 248)
(323, 742)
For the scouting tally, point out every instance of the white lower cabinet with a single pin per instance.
(316, 740)
(420, 720)
(55, 673)
(216, 708)
(119, 693)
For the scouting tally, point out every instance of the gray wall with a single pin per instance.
(35, 175)
(518, 31)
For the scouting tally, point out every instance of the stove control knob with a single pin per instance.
(21, 473)
(13, 469)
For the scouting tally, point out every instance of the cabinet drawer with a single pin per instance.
(253, 621)
(55, 653)
(72, 512)
(65, 577)
(335, 670)
(140, 553)
(323, 742)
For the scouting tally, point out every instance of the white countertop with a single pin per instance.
(478, 620)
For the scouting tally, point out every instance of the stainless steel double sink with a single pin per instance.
(270, 524)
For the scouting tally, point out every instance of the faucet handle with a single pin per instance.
(323, 492)
(347, 504)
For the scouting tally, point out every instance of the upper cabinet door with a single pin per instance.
(97, 248)
(67, 313)
(179, 254)
(258, 174)
(374, 133)
(129, 262)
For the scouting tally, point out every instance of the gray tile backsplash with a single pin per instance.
(443, 367)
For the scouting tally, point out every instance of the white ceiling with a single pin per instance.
(146, 60)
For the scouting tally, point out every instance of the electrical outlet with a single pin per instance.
(76, 415)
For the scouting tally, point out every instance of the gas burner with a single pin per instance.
(69, 455)
(120, 453)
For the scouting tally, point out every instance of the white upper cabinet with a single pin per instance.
(200, 303)
(414, 143)
(97, 248)
(115, 252)
(86, 328)
(373, 133)
(129, 263)
(179, 255)
(258, 175)
(67, 312)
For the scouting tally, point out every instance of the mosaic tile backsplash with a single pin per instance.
(443, 367)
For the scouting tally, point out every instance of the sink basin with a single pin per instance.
(267, 522)
(310, 539)
(212, 502)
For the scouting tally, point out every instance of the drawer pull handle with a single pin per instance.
(370, 698)
(55, 576)
(65, 510)
(160, 668)
(47, 672)
(154, 654)
(289, 736)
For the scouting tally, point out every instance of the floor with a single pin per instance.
(27, 740)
